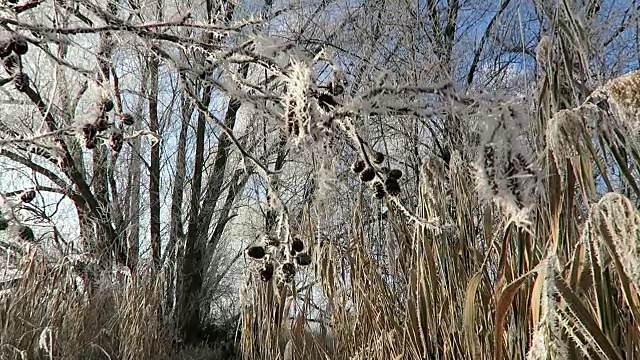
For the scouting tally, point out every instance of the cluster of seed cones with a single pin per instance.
(286, 257)
(387, 181)
(12, 47)
(91, 130)
(23, 232)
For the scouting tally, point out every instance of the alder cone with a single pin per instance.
(10, 63)
(116, 141)
(20, 45)
(89, 132)
(358, 166)
(256, 252)
(28, 196)
(127, 119)
(297, 245)
(378, 157)
(395, 174)
(21, 82)
(266, 273)
(379, 190)
(303, 259)
(106, 105)
(102, 124)
(288, 272)
(367, 175)
(392, 187)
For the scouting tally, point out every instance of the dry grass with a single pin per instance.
(51, 315)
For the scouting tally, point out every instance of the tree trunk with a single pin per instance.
(177, 196)
(171, 260)
(154, 170)
(133, 187)
(192, 263)
(192, 268)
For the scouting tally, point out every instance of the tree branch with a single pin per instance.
(485, 36)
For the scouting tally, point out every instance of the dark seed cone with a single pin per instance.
(377, 157)
(358, 166)
(288, 272)
(89, 132)
(89, 129)
(20, 45)
(394, 174)
(378, 190)
(26, 234)
(28, 196)
(11, 64)
(303, 259)
(4, 224)
(297, 245)
(126, 119)
(90, 143)
(21, 81)
(106, 105)
(256, 252)
(266, 272)
(392, 187)
(116, 140)
(367, 175)
(102, 124)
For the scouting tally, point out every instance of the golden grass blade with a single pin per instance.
(505, 298)
(536, 296)
(586, 319)
(468, 313)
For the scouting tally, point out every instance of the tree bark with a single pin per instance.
(99, 153)
(192, 263)
(177, 195)
(192, 268)
(154, 167)
(133, 186)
